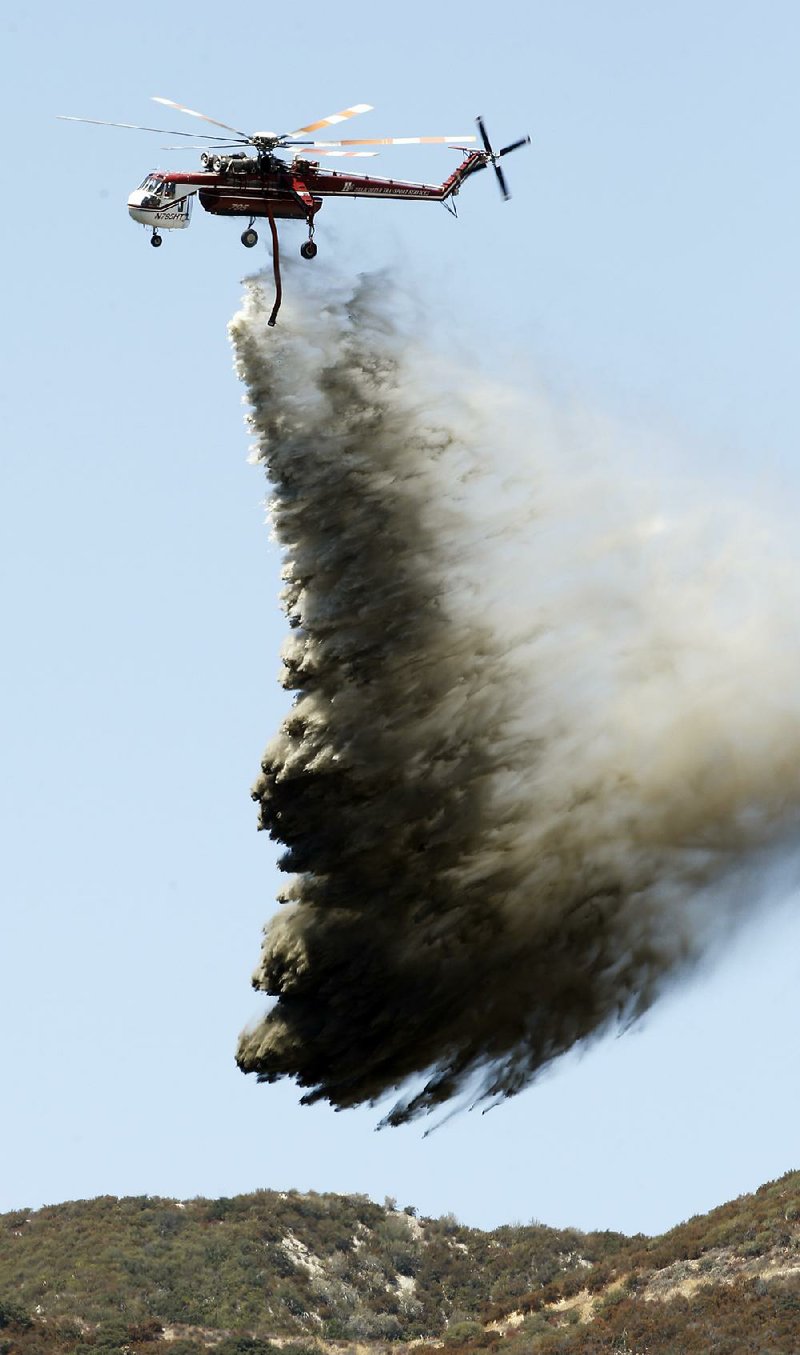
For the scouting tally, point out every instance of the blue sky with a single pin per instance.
(646, 267)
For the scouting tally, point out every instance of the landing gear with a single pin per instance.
(308, 249)
(249, 238)
(156, 240)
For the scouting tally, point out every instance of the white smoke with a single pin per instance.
(547, 722)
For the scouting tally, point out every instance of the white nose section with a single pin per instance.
(151, 210)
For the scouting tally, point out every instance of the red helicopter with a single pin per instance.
(256, 182)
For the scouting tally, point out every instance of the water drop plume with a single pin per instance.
(542, 732)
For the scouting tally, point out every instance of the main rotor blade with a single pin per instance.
(514, 145)
(333, 119)
(484, 136)
(394, 141)
(356, 155)
(170, 103)
(136, 127)
(215, 146)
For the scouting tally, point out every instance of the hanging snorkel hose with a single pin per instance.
(276, 269)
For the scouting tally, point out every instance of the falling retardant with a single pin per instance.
(544, 738)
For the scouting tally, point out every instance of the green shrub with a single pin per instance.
(14, 1315)
(460, 1332)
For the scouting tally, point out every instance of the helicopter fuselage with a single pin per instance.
(265, 186)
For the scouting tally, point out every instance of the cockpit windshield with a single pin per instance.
(170, 201)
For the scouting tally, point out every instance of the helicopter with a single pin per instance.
(244, 175)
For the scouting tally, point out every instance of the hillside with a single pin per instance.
(308, 1272)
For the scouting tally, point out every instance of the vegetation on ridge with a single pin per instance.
(305, 1273)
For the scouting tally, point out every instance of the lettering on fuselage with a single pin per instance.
(379, 190)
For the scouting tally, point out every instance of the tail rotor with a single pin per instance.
(494, 157)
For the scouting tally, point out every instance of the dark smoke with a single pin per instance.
(526, 752)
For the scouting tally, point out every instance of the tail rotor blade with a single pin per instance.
(514, 146)
(484, 136)
(493, 157)
(501, 179)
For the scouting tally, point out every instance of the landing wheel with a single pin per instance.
(308, 249)
(249, 238)
(156, 240)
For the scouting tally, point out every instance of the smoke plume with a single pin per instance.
(543, 732)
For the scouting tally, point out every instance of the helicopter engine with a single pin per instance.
(236, 163)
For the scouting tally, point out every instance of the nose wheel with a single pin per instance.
(249, 238)
(156, 240)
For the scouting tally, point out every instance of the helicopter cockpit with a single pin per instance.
(159, 202)
(155, 190)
